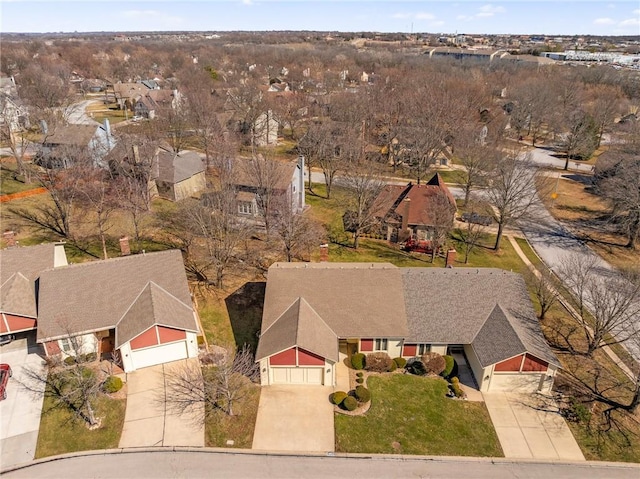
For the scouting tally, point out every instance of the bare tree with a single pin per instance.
(97, 195)
(608, 302)
(221, 385)
(580, 136)
(472, 232)
(512, 190)
(18, 142)
(544, 288)
(442, 212)
(295, 231)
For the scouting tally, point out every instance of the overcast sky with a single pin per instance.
(552, 17)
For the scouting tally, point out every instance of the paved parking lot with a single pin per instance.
(20, 412)
(529, 426)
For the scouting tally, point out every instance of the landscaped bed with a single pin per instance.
(412, 415)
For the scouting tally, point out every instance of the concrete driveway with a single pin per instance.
(20, 412)
(295, 418)
(147, 421)
(529, 426)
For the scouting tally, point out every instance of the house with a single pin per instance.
(265, 129)
(68, 144)
(412, 211)
(316, 315)
(252, 176)
(12, 110)
(126, 94)
(155, 101)
(136, 307)
(179, 174)
(20, 268)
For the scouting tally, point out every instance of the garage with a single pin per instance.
(165, 353)
(506, 382)
(297, 375)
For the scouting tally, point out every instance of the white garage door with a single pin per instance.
(159, 354)
(505, 382)
(283, 375)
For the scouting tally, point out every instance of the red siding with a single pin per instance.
(305, 358)
(52, 348)
(285, 358)
(409, 349)
(146, 339)
(168, 335)
(534, 364)
(17, 323)
(366, 345)
(511, 365)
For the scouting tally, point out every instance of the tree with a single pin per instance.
(96, 194)
(441, 212)
(18, 143)
(295, 231)
(364, 185)
(608, 302)
(580, 138)
(512, 190)
(471, 233)
(544, 289)
(476, 157)
(218, 386)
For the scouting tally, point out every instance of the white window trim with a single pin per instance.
(381, 344)
(245, 208)
(423, 349)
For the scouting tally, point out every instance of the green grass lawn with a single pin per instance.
(9, 184)
(219, 428)
(62, 432)
(411, 415)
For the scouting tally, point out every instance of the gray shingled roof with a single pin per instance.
(176, 167)
(28, 260)
(300, 325)
(354, 299)
(153, 305)
(18, 296)
(95, 296)
(451, 306)
(72, 135)
(497, 340)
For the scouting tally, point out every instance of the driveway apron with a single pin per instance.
(530, 426)
(295, 418)
(147, 421)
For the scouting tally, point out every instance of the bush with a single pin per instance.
(350, 403)
(358, 361)
(400, 362)
(359, 380)
(88, 358)
(415, 366)
(70, 360)
(455, 387)
(359, 374)
(112, 384)
(434, 363)
(337, 397)
(378, 362)
(451, 367)
(363, 394)
(393, 366)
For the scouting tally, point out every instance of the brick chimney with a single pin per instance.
(451, 258)
(404, 228)
(125, 250)
(10, 238)
(324, 253)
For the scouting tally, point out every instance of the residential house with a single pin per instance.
(12, 110)
(179, 174)
(317, 315)
(68, 144)
(126, 94)
(20, 268)
(252, 176)
(155, 101)
(412, 211)
(137, 308)
(265, 129)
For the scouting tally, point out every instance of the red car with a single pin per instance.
(5, 374)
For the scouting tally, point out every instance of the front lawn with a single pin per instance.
(62, 432)
(411, 415)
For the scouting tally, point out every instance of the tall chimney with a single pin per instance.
(405, 219)
(43, 127)
(324, 253)
(107, 129)
(125, 250)
(10, 238)
(301, 199)
(451, 258)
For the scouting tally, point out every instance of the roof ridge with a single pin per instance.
(135, 300)
(317, 314)
(262, 333)
(110, 260)
(153, 283)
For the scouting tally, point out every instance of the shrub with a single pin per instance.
(337, 397)
(359, 380)
(400, 362)
(359, 374)
(350, 403)
(434, 363)
(112, 384)
(358, 361)
(415, 366)
(70, 360)
(393, 366)
(88, 358)
(455, 387)
(363, 394)
(378, 362)
(451, 367)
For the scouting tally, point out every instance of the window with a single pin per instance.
(66, 345)
(245, 208)
(423, 349)
(380, 345)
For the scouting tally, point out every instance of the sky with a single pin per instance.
(551, 17)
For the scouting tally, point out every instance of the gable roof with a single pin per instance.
(28, 260)
(18, 296)
(354, 299)
(300, 325)
(497, 340)
(276, 174)
(452, 306)
(176, 167)
(424, 199)
(72, 135)
(153, 305)
(94, 296)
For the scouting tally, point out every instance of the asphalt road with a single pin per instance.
(216, 463)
